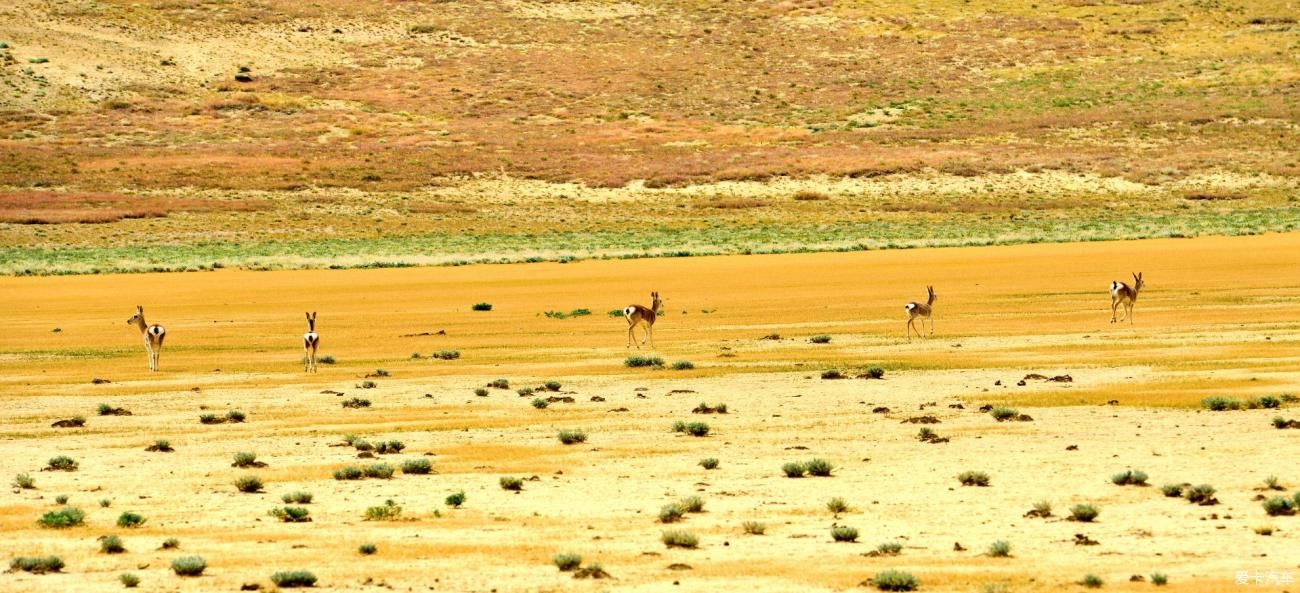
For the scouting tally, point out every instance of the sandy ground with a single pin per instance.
(1218, 317)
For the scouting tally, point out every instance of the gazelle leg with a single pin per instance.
(148, 351)
(650, 335)
(909, 329)
(1114, 304)
(932, 326)
(631, 338)
(1129, 314)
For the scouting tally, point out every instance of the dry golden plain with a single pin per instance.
(1220, 316)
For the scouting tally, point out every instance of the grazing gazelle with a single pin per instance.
(923, 310)
(1123, 294)
(637, 314)
(310, 341)
(153, 336)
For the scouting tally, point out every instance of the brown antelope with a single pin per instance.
(153, 336)
(923, 310)
(636, 314)
(310, 341)
(1123, 294)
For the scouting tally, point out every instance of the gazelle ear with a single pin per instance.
(139, 308)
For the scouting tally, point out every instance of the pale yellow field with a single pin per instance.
(1220, 316)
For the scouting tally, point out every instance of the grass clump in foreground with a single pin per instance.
(389, 511)
(189, 566)
(794, 469)
(24, 482)
(819, 467)
(893, 580)
(754, 527)
(294, 578)
(837, 505)
(570, 437)
(1000, 549)
(677, 538)
(1084, 512)
(129, 580)
(1130, 477)
(973, 478)
(844, 533)
(417, 466)
(643, 361)
(111, 544)
(567, 561)
(249, 484)
(37, 564)
(63, 518)
(61, 463)
(129, 520)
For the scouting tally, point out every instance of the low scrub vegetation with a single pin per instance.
(129, 520)
(643, 361)
(677, 538)
(189, 566)
(844, 533)
(893, 580)
(567, 561)
(572, 437)
(63, 518)
(418, 466)
(293, 578)
(1130, 477)
(248, 484)
(291, 514)
(1084, 512)
(37, 564)
(973, 478)
(389, 511)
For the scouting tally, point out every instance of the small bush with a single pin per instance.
(1092, 581)
(105, 503)
(1083, 512)
(820, 339)
(1159, 579)
(24, 482)
(754, 527)
(235, 416)
(456, 499)
(1220, 404)
(837, 505)
(876, 372)
(1043, 508)
(1128, 476)
(1003, 413)
(382, 471)
(356, 403)
(189, 566)
(481, 392)
(643, 361)
(819, 467)
(367, 549)
(249, 484)
(245, 459)
(1172, 490)
(1279, 505)
(418, 466)
(482, 307)
(844, 533)
(832, 374)
(709, 463)
(350, 472)
(524, 391)
(61, 463)
(61, 499)
(37, 565)
(298, 497)
(291, 514)
(129, 580)
(679, 426)
(1269, 402)
(552, 385)
(389, 511)
(500, 384)
(111, 544)
(671, 513)
(511, 483)
(566, 562)
(368, 384)
(972, 478)
(677, 538)
(692, 504)
(889, 549)
(293, 578)
(1202, 495)
(893, 580)
(1000, 549)
(210, 419)
(160, 446)
(1272, 483)
(386, 447)
(1264, 530)
(382, 373)
(540, 403)
(697, 429)
(63, 518)
(327, 359)
(683, 365)
(570, 437)
(130, 520)
(794, 470)
(170, 543)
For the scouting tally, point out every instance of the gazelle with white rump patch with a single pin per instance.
(310, 341)
(637, 314)
(921, 310)
(153, 336)
(1123, 294)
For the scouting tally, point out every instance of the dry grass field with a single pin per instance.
(1218, 318)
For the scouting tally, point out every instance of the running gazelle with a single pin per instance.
(637, 314)
(153, 336)
(1123, 294)
(923, 310)
(310, 341)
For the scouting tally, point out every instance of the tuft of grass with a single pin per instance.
(567, 561)
(368, 384)
(1129, 477)
(160, 446)
(389, 511)
(1265, 530)
(794, 469)
(754, 527)
(382, 471)
(24, 482)
(973, 478)
(832, 374)
(894, 580)
(1000, 549)
(128, 580)
(481, 392)
(482, 306)
(697, 429)
(1159, 579)
(1003, 413)
(570, 437)
(350, 472)
(394, 446)
(418, 466)
(293, 578)
(552, 385)
(1279, 506)
(692, 504)
(111, 544)
(367, 549)
(1172, 490)
(129, 520)
(170, 543)
(540, 403)
(1221, 404)
(643, 361)
(61, 499)
(820, 339)
(511, 483)
(837, 505)
(1092, 581)
(1202, 494)
(445, 355)
(105, 503)
(683, 365)
(844, 533)
(297, 497)
(291, 514)
(61, 463)
(245, 459)
(249, 484)
(889, 549)
(671, 513)
(709, 463)
(1272, 483)
(819, 467)
(235, 416)
(1083, 512)
(327, 359)
(499, 384)
(524, 391)
(875, 372)
(37, 565)
(678, 538)
(189, 566)
(1043, 508)
(63, 518)
(455, 499)
(356, 403)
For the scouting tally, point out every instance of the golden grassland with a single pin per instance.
(1218, 317)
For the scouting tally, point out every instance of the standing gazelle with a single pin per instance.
(637, 314)
(1123, 294)
(153, 336)
(310, 341)
(923, 310)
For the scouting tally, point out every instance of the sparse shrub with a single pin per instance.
(105, 503)
(894, 580)
(692, 504)
(24, 482)
(1202, 495)
(298, 497)
(1092, 581)
(1172, 490)
(1272, 483)
(482, 307)
(524, 391)
(1083, 512)
(481, 392)
(293, 578)
(382, 373)
(889, 549)
(820, 339)
(362, 445)
(235, 416)
(63, 518)
(819, 467)
(327, 359)
(671, 513)
(415, 356)
(754, 527)
(111, 544)
(386, 447)
(1159, 579)
(189, 566)
(1269, 402)
(61, 463)
(389, 511)
(170, 543)
(844, 533)
(511, 483)
(677, 538)
(1264, 530)
(1000, 549)
(683, 365)
(643, 361)
(356, 403)
(1003, 413)
(679, 426)
(245, 459)
(367, 549)
(837, 505)
(540, 403)
(61, 499)
(382, 471)
(419, 466)
(248, 484)
(567, 561)
(1043, 508)
(832, 374)
(1129, 476)
(973, 478)
(500, 384)
(368, 384)
(709, 463)
(552, 385)
(697, 429)
(128, 580)
(291, 514)
(570, 437)
(456, 499)
(794, 470)
(160, 446)
(210, 419)
(1219, 403)
(1279, 505)
(37, 565)
(875, 372)
(130, 520)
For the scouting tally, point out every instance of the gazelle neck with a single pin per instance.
(139, 322)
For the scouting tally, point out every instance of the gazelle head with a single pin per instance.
(655, 301)
(1137, 282)
(311, 321)
(139, 312)
(933, 297)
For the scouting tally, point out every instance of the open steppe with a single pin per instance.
(1219, 317)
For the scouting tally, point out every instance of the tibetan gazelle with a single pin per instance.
(1123, 294)
(310, 341)
(922, 310)
(637, 314)
(153, 336)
